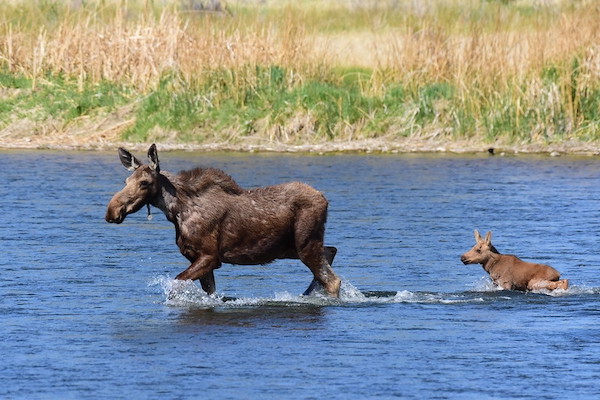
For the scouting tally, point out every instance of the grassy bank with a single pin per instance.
(514, 72)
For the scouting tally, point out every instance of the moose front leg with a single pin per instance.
(208, 282)
(202, 269)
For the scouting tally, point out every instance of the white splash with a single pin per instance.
(485, 284)
(572, 290)
(190, 294)
(180, 293)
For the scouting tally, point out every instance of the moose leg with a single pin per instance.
(329, 253)
(309, 231)
(549, 285)
(202, 269)
(208, 282)
(562, 284)
(315, 260)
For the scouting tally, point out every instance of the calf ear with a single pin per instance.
(478, 237)
(488, 238)
(128, 160)
(153, 157)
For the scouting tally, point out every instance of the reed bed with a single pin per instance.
(307, 72)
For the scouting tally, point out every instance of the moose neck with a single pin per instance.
(166, 197)
(490, 263)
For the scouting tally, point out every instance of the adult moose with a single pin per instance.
(216, 221)
(510, 272)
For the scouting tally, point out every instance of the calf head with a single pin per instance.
(482, 250)
(139, 188)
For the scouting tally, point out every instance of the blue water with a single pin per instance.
(85, 310)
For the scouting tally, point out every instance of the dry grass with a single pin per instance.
(413, 42)
(139, 50)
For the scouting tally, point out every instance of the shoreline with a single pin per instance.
(103, 133)
(367, 146)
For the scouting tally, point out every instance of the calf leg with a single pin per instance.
(562, 284)
(309, 231)
(549, 285)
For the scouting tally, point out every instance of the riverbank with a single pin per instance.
(105, 136)
(318, 76)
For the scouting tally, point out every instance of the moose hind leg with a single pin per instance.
(316, 261)
(309, 231)
(329, 253)
(549, 285)
(562, 284)
(559, 284)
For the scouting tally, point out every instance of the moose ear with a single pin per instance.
(128, 160)
(488, 237)
(153, 157)
(478, 237)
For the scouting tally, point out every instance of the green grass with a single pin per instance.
(218, 105)
(58, 98)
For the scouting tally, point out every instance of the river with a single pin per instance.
(90, 310)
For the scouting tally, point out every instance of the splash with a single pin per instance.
(184, 293)
(573, 290)
(188, 294)
(486, 285)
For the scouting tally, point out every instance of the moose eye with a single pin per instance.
(478, 250)
(144, 184)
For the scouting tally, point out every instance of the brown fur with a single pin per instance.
(510, 272)
(217, 221)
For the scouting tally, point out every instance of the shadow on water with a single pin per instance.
(305, 316)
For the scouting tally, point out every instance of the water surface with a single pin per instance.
(85, 310)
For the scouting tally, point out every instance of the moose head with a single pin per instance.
(140, 188)
(482, 250)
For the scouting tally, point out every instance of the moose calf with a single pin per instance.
(510, 272)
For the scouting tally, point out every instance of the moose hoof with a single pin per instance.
(332, 289)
